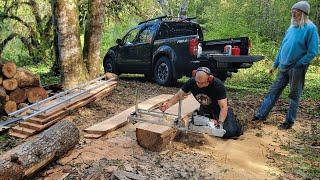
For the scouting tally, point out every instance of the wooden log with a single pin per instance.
(9, 69)
(22, 105)
(154, 137)
(3, 95)
(18, 95)
(1, 79)
(26, 78)
(10, 84)
(35, 94)
(24, 160)
(10, 106)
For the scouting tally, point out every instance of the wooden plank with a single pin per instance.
(18, 135)
(189, 105)
(92, 136)
(121, 119)
(103, 93)
(76, 99)
(23, 130)
(31, 125)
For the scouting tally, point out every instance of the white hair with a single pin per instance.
(303, 20)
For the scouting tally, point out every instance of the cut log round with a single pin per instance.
(10, 106)
(35, 94)
(10, 84)
(29, 157)
(9, 69)
(18, 95)
(22, 105)
(26, 78)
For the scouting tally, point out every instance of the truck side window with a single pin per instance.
(131, 36)
(146, 35)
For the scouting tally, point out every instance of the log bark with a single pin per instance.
(10, 84)
(26, 78)
(9, 69)
(35, 94)
(18, 95)
(29, 157)
(154, 137)
(1, 79)
(10, 106)
(3, 95)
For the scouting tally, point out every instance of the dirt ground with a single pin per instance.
(189, 156)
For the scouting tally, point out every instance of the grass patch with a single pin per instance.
(304, 159)
(4, 137)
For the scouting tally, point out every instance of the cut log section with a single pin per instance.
(26, 78)
(9, 69)
(18, 95)
(1, 79)
(36, 94)
(10, 84)
(10, 106)
(154, 137)
(29, 157)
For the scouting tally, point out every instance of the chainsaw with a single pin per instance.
(196, 123)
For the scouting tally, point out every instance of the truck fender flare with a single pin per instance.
(110, 54)
(169, 53)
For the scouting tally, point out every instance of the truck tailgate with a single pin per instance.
(234, 59)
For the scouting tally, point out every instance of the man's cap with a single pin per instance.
(303, 6)
(204, 69)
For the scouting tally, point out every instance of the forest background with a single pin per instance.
(27, 38)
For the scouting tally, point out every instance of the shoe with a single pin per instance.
(286, 125)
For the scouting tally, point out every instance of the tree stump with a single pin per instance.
(18, 95)
(10, 84)
(29, 157)
(154, 137)
(9, 69)
(26, 78)
(35, 94)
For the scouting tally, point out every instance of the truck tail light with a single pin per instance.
(193, 47)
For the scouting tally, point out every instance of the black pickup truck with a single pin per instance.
(165, 49)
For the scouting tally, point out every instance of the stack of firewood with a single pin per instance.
(18, 87)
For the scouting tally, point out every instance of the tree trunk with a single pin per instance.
(93, 36)
(26, 78)
(36, 94)
(73, 67)
(9, 69)
(18, 95)
(10, 84)
(29, 157)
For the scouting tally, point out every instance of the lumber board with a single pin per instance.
(189, 105)
(121, 119)
(75, 100)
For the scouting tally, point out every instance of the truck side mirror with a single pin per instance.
(119, 41)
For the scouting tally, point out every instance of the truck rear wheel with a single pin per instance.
(109, 65)
(163, 72)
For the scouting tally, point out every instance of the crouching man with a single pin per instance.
(210, 92)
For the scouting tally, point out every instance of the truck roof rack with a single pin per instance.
(156, 18)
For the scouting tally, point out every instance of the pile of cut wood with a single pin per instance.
(18, 87)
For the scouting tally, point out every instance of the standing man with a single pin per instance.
(208, 91)
(298, 48)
